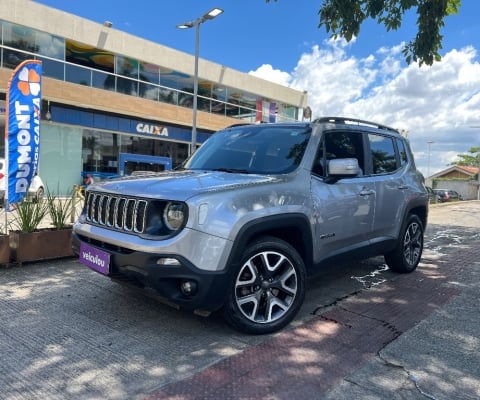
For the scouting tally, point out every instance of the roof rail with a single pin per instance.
(237, 124)
(343, 120)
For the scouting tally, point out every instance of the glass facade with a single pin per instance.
(82, 64)
(95, 142)
(60, 157)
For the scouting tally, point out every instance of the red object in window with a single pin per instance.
(1, 175)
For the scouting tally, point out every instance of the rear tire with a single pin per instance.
(408, 252)
(268, 289)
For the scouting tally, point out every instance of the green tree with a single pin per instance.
(343, 18)
(471, 159)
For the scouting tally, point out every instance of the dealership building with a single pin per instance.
(113, 103)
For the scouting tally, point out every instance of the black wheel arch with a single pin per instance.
(294, 229)
(420, 209)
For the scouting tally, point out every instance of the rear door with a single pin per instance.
(388, 163)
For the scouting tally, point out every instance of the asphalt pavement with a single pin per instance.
(363, 333)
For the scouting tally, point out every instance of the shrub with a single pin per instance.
(29, 215)
(59, 210)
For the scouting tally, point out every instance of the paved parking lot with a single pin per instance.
(67, 332)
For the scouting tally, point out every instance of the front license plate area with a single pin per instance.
(94, 258)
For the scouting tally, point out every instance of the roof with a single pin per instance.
(470, 171)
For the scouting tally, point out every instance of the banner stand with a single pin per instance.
(22, 131)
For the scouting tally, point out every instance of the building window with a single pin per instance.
(95, 67)
(89, 56)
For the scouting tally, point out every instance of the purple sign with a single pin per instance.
(94, 258)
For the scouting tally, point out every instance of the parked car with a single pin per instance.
(432, 196)
(445, 195)
(36, 189)
(255, 211)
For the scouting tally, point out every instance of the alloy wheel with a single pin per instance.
(412, 243)
(266, 287)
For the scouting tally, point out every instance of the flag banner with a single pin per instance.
(22, 129)
(272, 112)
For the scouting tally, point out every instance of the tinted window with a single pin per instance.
(319, 163)
(77, 74)
(52, 69)
(127, 67)
(383, 154)
(253, 149)
(337, 145)
(50, 45)
(403, 152)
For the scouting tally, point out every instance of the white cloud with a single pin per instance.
(267, 72)
(395, 50)
(436, 103)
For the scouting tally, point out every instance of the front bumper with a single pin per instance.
(142, 269)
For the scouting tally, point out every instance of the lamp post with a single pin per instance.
(430, 142)
(215, 12)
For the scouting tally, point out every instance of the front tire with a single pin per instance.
(268, 289)
(408, 252)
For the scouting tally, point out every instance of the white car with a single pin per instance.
(36, 190)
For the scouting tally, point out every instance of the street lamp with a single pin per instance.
(430, 142)
(215, 12)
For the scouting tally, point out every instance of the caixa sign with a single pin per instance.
(156, 130)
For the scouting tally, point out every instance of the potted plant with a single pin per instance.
(28, 215)
(31, 239)
(4, 246)
(59, 210)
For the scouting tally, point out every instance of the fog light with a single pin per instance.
(168, 261)
(188, 288)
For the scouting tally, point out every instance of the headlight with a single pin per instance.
(174, 215)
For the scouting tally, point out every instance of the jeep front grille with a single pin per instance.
(116, 212)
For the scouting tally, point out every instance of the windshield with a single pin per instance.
(256, 149)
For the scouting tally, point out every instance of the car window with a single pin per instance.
(403, 152)
(383, 154)
(336, 145)
(253, 149)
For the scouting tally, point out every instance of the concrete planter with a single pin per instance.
(41, 245)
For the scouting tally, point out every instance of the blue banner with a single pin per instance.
(22, 129)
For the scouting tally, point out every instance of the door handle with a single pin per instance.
(366, 192)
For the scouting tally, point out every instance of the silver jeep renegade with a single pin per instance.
(255, 211)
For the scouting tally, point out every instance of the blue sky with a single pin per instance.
(366, 78)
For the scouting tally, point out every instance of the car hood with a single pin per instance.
(181, 185)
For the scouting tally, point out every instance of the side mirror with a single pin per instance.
(343, 167)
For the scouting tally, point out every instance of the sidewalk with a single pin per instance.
(364, 332)
(416, 337)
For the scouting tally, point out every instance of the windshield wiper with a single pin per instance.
(231, 170)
